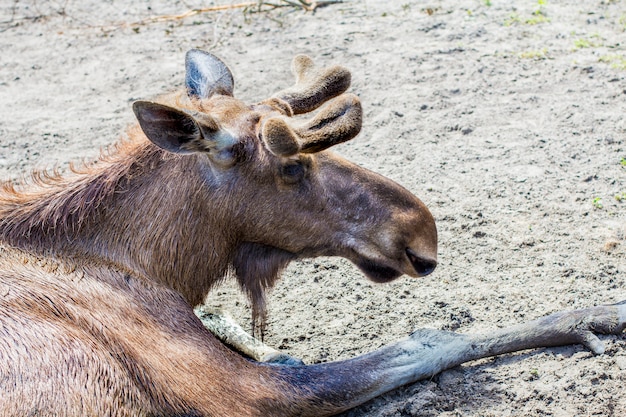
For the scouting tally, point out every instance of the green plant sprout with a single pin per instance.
(597, 203)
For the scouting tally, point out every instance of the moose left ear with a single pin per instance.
(180, 132)
(207, 75)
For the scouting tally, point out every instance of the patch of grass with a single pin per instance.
(535, 54)
(512, 19)
(616, 61)
(582, 43)
(538, 16)
(537, 19)
(593, 41)
(622, 21)
(623, 162)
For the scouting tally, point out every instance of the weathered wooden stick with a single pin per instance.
(225, 328)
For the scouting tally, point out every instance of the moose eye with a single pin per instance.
(292, 172)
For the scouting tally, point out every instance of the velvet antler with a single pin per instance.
(314, 86)
(338, 121)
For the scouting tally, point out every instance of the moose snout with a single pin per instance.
(423, 265)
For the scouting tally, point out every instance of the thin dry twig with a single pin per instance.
(15, 20)
(189, 13)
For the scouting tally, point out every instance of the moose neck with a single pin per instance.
(129, 212)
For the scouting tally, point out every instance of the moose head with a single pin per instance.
(271, 183)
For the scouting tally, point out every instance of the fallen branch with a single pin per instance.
(251, 6)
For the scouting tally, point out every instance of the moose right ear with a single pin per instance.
(206, 74)
(180, 132)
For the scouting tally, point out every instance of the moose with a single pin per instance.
(100, 268)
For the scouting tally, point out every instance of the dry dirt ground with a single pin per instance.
(506, 118)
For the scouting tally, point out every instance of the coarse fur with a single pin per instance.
(100, 269)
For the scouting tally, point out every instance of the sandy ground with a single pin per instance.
(506, 118)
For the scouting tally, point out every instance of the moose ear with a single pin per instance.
(180, 132)
(206, 75)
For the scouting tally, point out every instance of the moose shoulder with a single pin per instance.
(99, 270)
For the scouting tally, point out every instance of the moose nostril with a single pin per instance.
(423, 266)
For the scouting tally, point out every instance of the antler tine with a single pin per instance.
(313, 86)
(337, 122)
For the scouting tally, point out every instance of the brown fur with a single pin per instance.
(99, 269)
